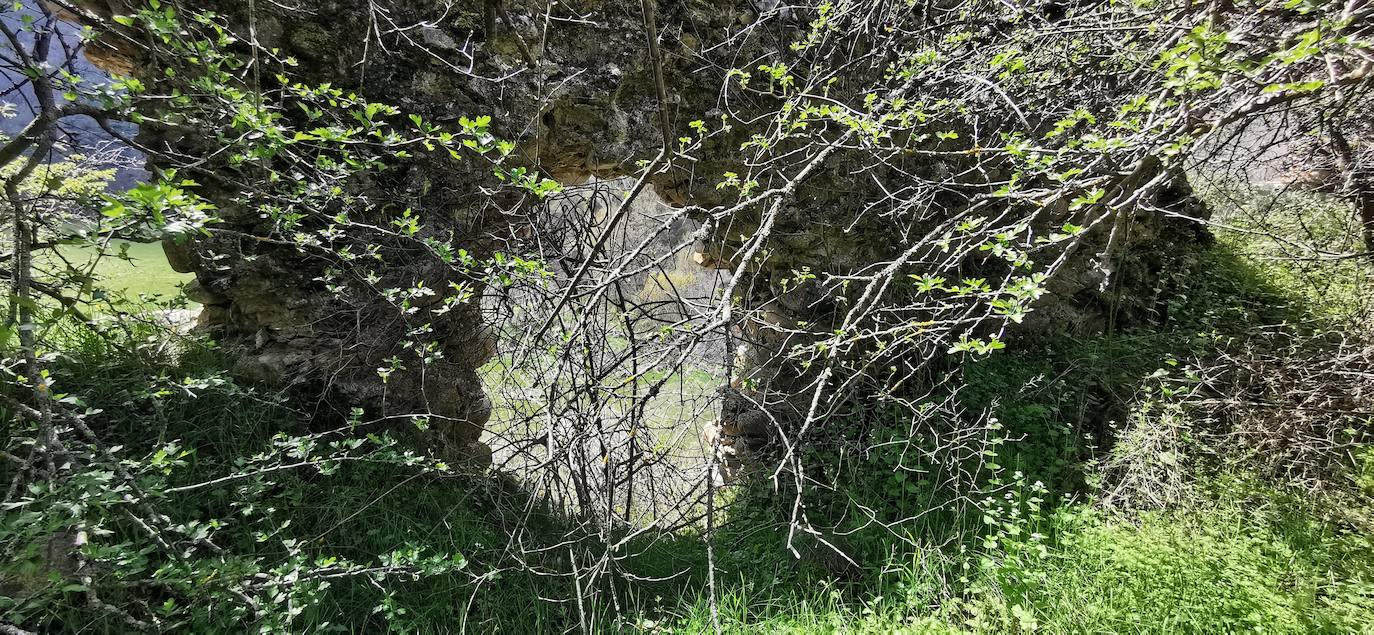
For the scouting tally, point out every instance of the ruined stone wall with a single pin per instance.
(573, 84)
(585, 107)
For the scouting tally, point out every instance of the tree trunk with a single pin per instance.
(1358, 187)
(1364, 206)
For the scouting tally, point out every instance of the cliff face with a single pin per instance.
(573, 84)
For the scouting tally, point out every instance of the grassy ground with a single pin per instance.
(1239, 559)
(1230, 552)
(1036, 546)
(130, 268)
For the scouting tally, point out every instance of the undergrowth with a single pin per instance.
(1037, 540)
(1205, 543)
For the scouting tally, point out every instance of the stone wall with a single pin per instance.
(574, 86)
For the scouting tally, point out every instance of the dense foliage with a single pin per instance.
(1011, 333)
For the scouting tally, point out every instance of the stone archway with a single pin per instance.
(580, 101)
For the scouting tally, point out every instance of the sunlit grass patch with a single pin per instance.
(132, 269)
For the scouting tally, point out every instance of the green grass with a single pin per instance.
(1242, 559)
(356, 512)
(1235, 554)
(1242, 563)
(130, 268)
(1030, 549)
